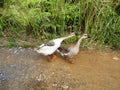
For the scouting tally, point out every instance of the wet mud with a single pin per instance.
(24, 69)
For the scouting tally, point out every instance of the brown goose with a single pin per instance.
(71, 51)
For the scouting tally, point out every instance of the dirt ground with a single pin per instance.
(24, 69)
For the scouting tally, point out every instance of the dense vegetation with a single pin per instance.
(47, 19)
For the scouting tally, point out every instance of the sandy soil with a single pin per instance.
(24, 69)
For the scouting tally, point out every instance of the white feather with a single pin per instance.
(47, 50)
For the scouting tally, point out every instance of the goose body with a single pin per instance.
(48, 49)
(68, 52)
(73, 50)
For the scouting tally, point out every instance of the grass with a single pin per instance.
(42, 20)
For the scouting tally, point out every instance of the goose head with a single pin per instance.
(75, 33)
(85, 36)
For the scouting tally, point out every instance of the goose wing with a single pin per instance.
(50, 43)
(63, 49)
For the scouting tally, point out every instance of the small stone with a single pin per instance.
(8, 56)
(53, 72)
(54, 85)
(12, 65)
(20, 48)
(15, 51)
(116, 58)
(26, 77)
(65, 87)
(38, 78)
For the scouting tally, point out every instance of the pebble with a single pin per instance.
(2, 77)
(53, 72)
(15, 51)
(54, 85)
(20, 48)
(41, 77)
(26, 76)
(116, 58)
(65, 87)
(8, 56)
(13, 65)
(38, 78)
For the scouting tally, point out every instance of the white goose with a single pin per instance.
(48, 49)
(71, 51)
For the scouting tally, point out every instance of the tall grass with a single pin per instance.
(49, 19)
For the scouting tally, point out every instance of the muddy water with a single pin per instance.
(24, 69)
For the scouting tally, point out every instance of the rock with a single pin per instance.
(41, 77)
(65, 87)
(2, 76)
(116, 58)
(54, 85)
(15, 51)
(8, 56)
(20, 48)
(53, 72)
(13, 65)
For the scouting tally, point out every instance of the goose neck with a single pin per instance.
(79, 42)
(67, 37)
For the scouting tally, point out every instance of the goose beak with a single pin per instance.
(89, 36)
(76, 33)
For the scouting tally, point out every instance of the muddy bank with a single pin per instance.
(24, 69)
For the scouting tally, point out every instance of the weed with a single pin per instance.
(48, 19)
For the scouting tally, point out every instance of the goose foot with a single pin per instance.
(48, 58)
(69, 61)
(53, 56)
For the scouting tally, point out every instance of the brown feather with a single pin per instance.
(63, 49)
(50, 43)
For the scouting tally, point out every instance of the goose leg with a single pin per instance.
(69, 60)
(48, 58)
(53, 56)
